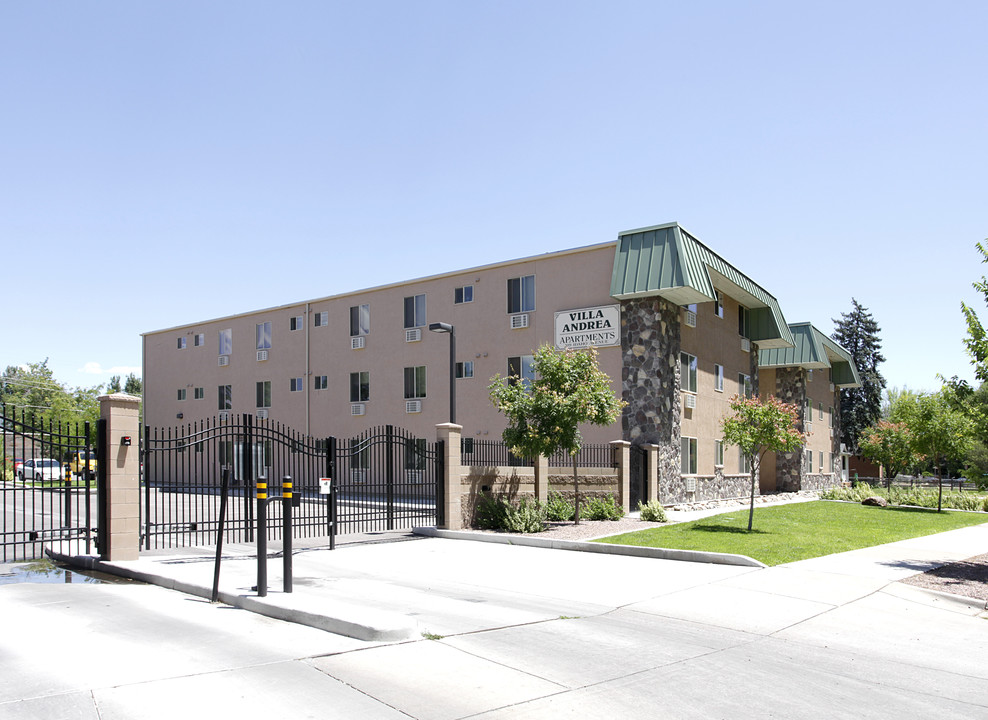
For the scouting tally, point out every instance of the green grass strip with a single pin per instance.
(787, 533)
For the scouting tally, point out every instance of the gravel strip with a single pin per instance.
(966, 577)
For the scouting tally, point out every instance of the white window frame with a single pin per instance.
(718, 453)
(688, 374)
(718, 305)
(521, 367)
(262, 334)
(464, 370)
(199, 339)
(320, 319)
(362, 386)
(296, 322)
(199, 393)
(296, 384)
(463, 295)
(262, 394)
(745, 388)
(225, 342)
(688, 460)
(415, 311)
(415, 382)
(718, 377)
(181, 343)
(521, 294)
(224, 399)
(182, 394)
(360, 320)
(320, 382)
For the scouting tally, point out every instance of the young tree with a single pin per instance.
(544, 416)
(857, 332)
(133, 385)
(977, 340)
(891, 445)
(757, 427)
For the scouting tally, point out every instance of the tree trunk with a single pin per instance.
(751, 507)
(576, 494)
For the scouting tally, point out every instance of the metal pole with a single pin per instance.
(262, 537)
(286, 532)
(224, 486)
(452, 375)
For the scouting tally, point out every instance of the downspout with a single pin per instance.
(305, 319)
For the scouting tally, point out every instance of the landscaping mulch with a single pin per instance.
(965, 577)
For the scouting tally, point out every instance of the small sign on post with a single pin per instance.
(325, 486)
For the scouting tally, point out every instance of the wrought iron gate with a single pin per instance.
(47, 484)
(383, 479)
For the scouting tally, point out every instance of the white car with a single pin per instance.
(40, 469)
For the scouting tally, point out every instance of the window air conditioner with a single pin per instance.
(262, 414)
(357, 343)
(690, 318)
(358, 409)
(690, 484)
(262, 355)
(224, 416)
(519, 321)
(413, 334)
(224, 360)
(413, 406)
(358, 475)
(690, 402)
(745, 344)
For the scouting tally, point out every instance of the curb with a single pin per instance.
(592, 547)
(956, 603)
(335, 617)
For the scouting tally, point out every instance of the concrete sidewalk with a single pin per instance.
(388, 587)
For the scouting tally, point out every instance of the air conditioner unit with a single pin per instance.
(358, 475)
(690, 484)
(414, 476)
(224, 416)
(519, 321)
(358, 409)
(224, 360)
(745, 344)
(809, 427)
(357, 343)
(413, 334)
(831, 387)
(690, 318)
(262, 355)
(413, 406)
(691, 402)
(262, 414)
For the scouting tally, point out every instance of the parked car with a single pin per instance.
(18, 464)
(40, 469)
(79, 459)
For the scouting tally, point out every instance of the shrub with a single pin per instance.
(491, 512)
(598, 508)
(652, 511)
(527, 517)
(558, 508)
(918, 497)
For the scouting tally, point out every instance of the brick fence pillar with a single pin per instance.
(449, 433)
(622, 458)
(542, 479)
(123, 472)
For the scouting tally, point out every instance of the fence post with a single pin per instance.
(449, 435)
(542, 479)
(622, 458)
(652, 465)
(121, 532)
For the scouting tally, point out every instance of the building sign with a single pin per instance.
(581, 328)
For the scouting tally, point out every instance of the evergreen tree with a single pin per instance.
(861, 407)
(977, 339)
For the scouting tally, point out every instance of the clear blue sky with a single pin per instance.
(163, 163)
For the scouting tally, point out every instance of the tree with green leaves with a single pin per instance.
(860, 407)
(891, 445)
(757, 427)
(977, 339)
(544, 415)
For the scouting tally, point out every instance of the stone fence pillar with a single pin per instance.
(123, 473)
(542, 479)
(622, 458)
(652, 464)
(449, 433)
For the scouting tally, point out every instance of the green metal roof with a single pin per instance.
(667, 261)
(814, 351)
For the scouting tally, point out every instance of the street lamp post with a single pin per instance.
(441, 327)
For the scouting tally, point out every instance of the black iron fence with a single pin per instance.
(47, 485)
(384, 479)
(489, 453)
(591, 455)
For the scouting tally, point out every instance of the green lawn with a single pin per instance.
(786, 533)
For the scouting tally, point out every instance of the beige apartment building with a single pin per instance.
(679, 330)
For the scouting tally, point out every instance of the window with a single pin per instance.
(181, 394)
(522, 367)
(719, 453)
(359, 320)
(320, 319)
(415, 311)
(743, 320)
(831, 416)
(415, 382)
(181, 343)
(521, 294)
(687, 369)
(463, 295)
(688, 456)
(320, 382)
(719, 378)
(744, 385)
(464, 369)
(744, 466)
(225, 342)
(200, 339)
(225, 395)
(295, 323)
(718, 305)
(263, 332)
(296, 384)
(809, 461)
(359, 387)
(821, 461)
(264, 394)
(821, 410)
(199, 393)
(808, 411)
